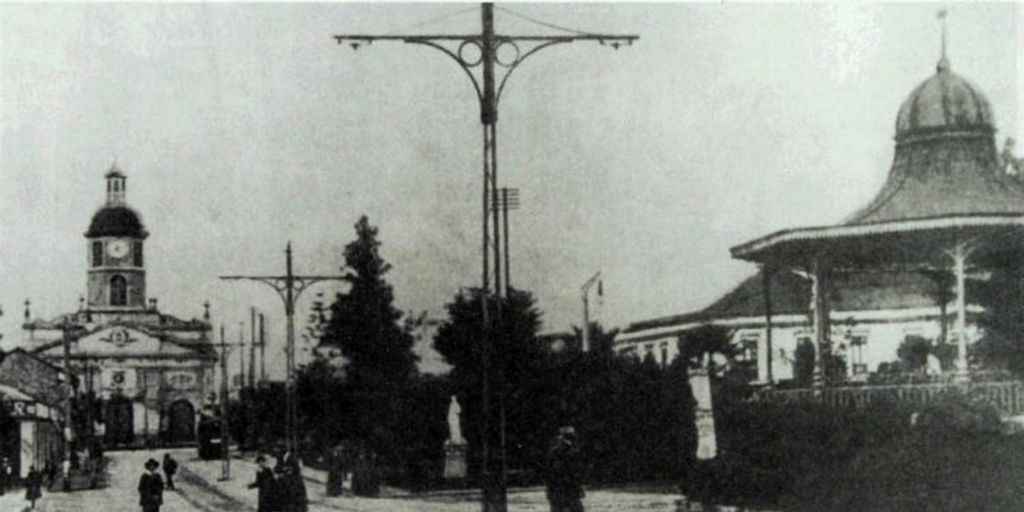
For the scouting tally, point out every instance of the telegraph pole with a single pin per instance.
(225, 433)
(263, 356)
(488, 59)
(252, 347)
(509, 201)
(288, 287)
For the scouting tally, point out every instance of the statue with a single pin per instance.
(454, 428)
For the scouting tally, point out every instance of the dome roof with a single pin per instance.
(944, 101)
(116, 221)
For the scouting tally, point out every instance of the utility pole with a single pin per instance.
(509, 201)
(241, 359)
(263, 356)
(252, 347)
(289, 287)
(225, 433)
(67, 327)
(585, 289)
(488, 59)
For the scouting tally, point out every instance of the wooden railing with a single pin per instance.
(1005, 396)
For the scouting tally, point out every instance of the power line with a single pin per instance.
(543, 23)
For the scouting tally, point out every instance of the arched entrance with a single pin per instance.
(119, 422)
(181, 425)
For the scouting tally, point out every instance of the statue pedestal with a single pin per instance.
(454, 461)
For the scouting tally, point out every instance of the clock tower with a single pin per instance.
(117, 272)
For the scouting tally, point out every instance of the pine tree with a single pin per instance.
(364, 323)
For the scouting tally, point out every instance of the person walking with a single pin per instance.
(33, 484)
(4, 479)
(564, 491)
(267, 487)
(292, 488)
(65, 473)
(151, 488)
(170, 468)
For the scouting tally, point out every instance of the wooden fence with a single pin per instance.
(1006, 396)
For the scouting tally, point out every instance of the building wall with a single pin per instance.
(880, 332)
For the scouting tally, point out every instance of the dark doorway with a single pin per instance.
(119, 422)
(182, 422)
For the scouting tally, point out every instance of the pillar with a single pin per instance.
(959, 254)
(766, 275)
(822, 329)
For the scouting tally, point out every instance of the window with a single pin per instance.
(118, 291)
(97, 253)
(137, 253)
(748, 348)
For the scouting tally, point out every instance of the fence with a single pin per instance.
(1006, 396)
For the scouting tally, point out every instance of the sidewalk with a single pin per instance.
(243, 472)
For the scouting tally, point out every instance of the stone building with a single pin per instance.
(151, 370)
(32, 393)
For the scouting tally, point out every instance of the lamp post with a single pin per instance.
(289, 287)
(488, 59)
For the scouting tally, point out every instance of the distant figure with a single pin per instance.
(51, 474)
(4, 479)
(151, 488)
(454, 424)
(291, 488)
(170, 468)
(65, 472)
(267, 485)
(336, 471)
(33, 483)
(564, 468)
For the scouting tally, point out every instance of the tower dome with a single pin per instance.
(116, 218)
(944, 102)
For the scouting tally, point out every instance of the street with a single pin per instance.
(199, 490)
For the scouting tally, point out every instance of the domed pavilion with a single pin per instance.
(946, 207)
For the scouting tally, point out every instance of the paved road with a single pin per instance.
(121, 495)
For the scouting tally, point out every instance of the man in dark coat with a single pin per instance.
(267, 485)
(33, 485)
(564, 468)
(151, 488)
(292, 490)
(170, 468)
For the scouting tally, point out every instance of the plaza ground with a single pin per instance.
(200, 489)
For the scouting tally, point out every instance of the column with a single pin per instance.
(766, 287)
(959, 254)
(822, 329)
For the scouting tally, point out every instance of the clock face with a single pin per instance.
(117, 248)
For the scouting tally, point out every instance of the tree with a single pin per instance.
(601, 341)
(1002, 297)
(364, 323)
(365, 326)
(516, 370)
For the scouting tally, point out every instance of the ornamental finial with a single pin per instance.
(943, 60)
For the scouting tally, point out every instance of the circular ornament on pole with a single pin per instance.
(507, 54)
(471, 53)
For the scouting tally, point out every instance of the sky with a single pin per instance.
(243, 127)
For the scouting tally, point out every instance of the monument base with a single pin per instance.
(454, 461)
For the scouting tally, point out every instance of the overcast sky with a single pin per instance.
(241, 127)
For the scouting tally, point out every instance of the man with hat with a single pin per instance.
(267, 486)
(564, 470)
(151, 488)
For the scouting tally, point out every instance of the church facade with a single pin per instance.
(149, 372)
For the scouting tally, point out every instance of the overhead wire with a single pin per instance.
(434, 19)
(543, 23)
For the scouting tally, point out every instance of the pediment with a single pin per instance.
(122, 341)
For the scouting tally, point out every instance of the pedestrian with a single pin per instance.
(292, 489)
(3, 475)
(170, 468)
(33, 483)
(51, 474)
(65, 472)
(267, 487)
(563, 475)
(335, 474)
(151, 488)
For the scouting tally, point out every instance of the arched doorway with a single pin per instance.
(119, 422)
(181, 425)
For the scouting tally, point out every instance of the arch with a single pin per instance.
(118, 291)
(181, 423)
(119, 421)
